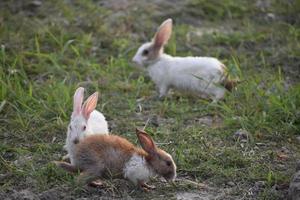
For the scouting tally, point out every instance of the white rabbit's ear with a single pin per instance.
(89, 105)
(146, 142)
(78, 99)
(163, 34)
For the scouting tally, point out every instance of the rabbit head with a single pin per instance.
(160, 161)
(78, 127)
(151, 51)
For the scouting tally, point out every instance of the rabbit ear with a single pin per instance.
(163, 34)
(146, 141)
(89, 105)
(78, 99)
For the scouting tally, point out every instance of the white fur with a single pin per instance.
(136, 169)
(95, 124)
(200, 75)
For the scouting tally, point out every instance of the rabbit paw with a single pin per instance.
(97, 183)
(66, 157)
(145, 187)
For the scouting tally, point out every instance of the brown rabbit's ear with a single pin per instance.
(163, 34)
(78, 99)
(89, 105)
(146, 141)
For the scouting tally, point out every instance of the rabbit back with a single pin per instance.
(104, 152)
(197, 74)
(97, 123)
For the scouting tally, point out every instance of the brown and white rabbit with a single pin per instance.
(205, 76)
(100, 155)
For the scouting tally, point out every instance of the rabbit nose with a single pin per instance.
(135, 59)
(76, 140)
(170, 177)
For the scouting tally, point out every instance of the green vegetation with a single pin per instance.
(48, 50)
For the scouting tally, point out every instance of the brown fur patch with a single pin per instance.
(105, 155)
(230, 84)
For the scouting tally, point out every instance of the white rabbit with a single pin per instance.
(85, 120)
(200, 75)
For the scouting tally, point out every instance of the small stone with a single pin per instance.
(281, 167)
(241, 135)
(260, 184)
(285, 150)
(230, 183)
(270, 17)
(294, 189)
(260, 144)
(36, 3)
(206, 120)
(95, 48)
(22, 160)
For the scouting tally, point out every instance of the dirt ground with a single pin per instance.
(20, 160)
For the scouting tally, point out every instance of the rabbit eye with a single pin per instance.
(169, 163)
(84, 128)
(145, 52)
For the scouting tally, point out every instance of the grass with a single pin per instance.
(50, 50)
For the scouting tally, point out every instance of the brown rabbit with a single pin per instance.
(100, 155)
